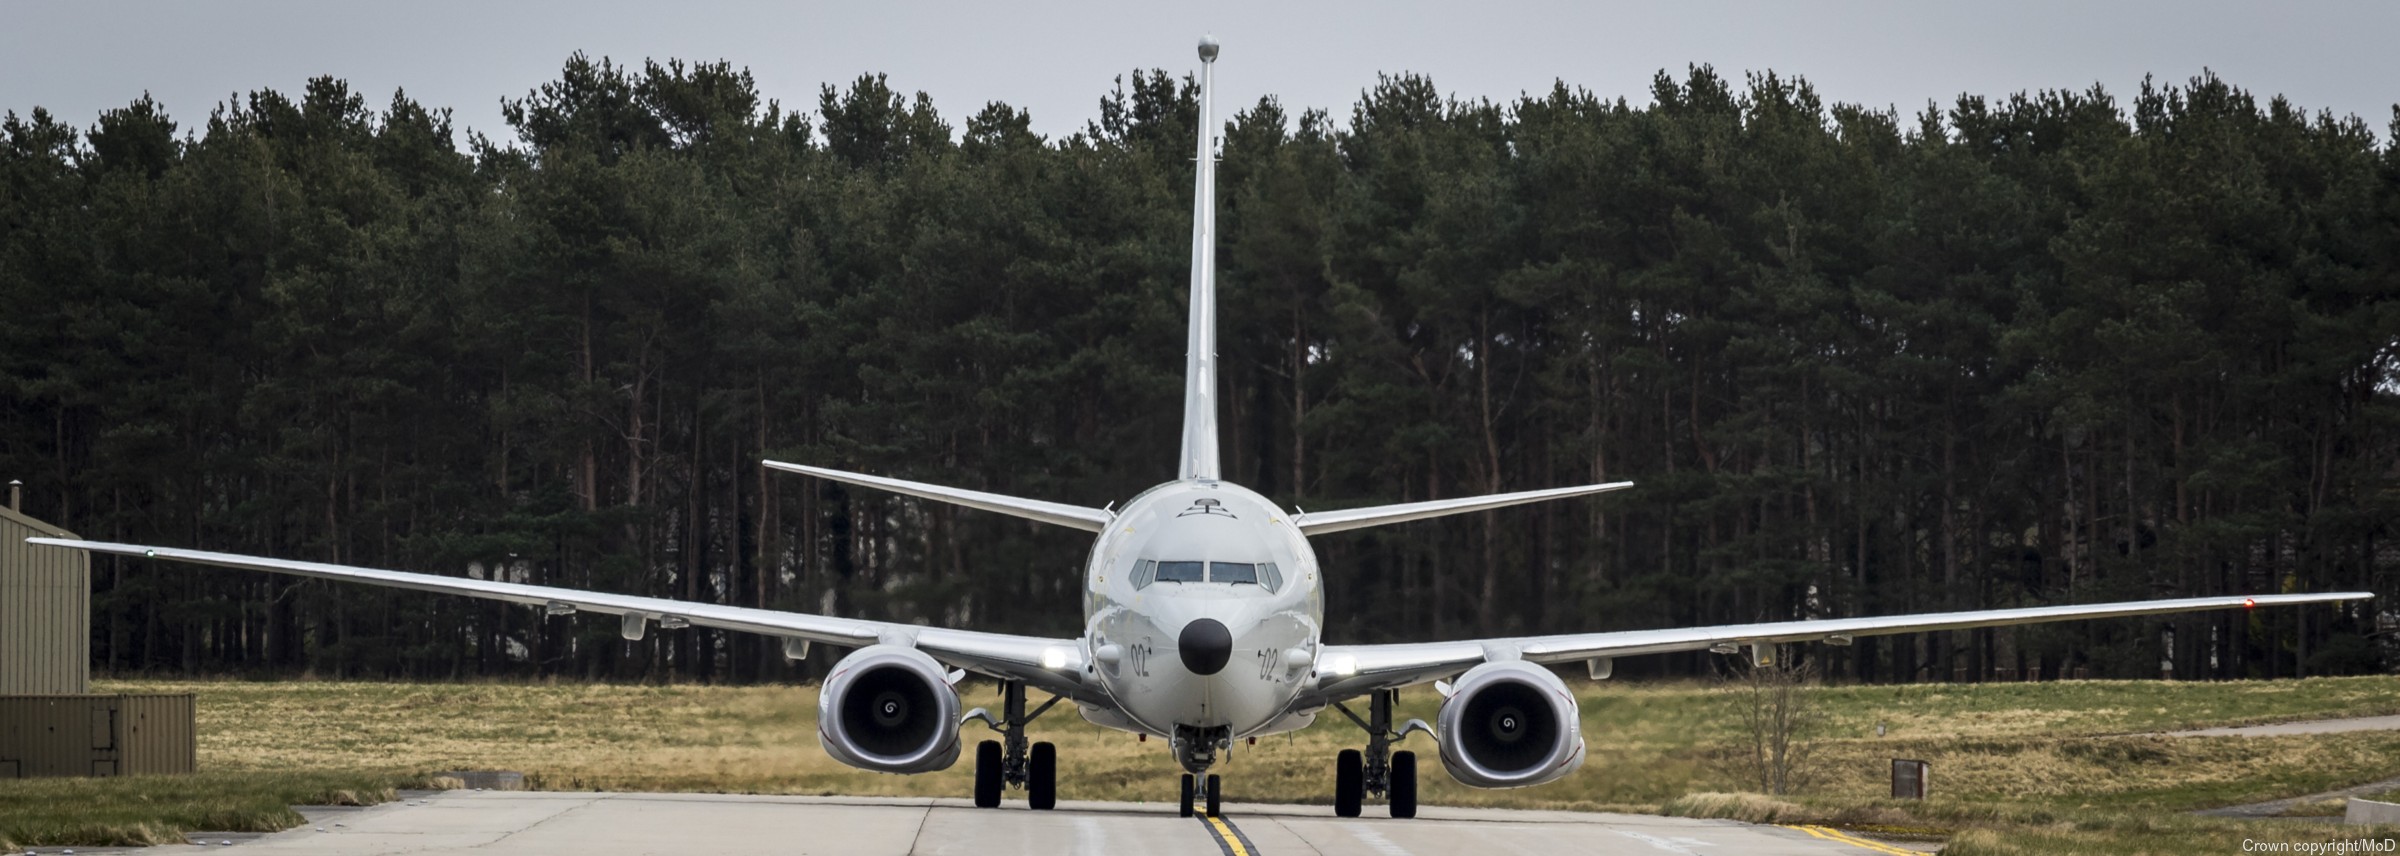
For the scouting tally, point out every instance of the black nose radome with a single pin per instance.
(1205, 645)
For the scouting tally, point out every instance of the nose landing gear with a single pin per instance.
(1196, 749)
(1378, 770)
(1020, 763)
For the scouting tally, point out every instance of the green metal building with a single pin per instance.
(45, 611)
(50, 723)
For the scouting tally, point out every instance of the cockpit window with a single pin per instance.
(1265, 575)
(1232, 572)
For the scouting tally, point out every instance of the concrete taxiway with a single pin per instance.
(2286, 729)
(586, 824)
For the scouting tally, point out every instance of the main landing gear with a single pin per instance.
(1378, 770)
(1032, 766)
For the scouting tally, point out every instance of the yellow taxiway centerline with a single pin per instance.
(1225, 838)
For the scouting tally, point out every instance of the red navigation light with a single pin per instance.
(2249, 603)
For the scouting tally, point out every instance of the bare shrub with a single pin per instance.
(1778, 721)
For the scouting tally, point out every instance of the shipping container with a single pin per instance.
(95, 735)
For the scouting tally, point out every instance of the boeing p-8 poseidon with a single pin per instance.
(1203, 613)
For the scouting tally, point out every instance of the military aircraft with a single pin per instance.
(1203, 613)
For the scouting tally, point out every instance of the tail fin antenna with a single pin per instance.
(1200, 357)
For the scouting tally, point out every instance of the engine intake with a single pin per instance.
(890, 709)
(1510, 724)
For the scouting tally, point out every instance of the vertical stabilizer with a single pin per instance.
(1200, 354)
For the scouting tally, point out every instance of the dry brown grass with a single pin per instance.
(2060, 762)
(2013, 743)
(1748, 808)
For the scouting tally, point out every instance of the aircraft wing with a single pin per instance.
(995, 654)
(1350, 670)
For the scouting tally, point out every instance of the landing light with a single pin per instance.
(1054, 657)
(1338, 665)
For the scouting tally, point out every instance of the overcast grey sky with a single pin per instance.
(1057, 59)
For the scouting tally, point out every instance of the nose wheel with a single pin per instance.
(1014, 761)
(1207, 792)
(1377, 770)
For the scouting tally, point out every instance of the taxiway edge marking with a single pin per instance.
(1831, 834)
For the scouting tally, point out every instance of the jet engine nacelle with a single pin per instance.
(1510, 724)
(891, 709)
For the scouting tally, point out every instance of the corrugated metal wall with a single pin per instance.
(48, 725)
(155, 734)
(95, 735)
(55, 736)
(45, 611)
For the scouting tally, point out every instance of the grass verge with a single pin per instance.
(2181, 836)
(2054, 762)
(147, 810)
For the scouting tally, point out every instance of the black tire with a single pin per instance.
(1041, 777)
(987, 774)
(1349, 783)
(1187, 795)
(1213, 801)
(1404, 785)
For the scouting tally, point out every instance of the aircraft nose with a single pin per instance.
(1204, 645)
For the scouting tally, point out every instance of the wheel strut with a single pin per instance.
(1016, 748)
(1017, 764)
(1380, 737)
(1376, 763)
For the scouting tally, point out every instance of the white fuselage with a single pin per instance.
(1258, 578)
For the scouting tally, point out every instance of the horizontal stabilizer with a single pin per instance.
(1062, 514)
(1321, 522)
